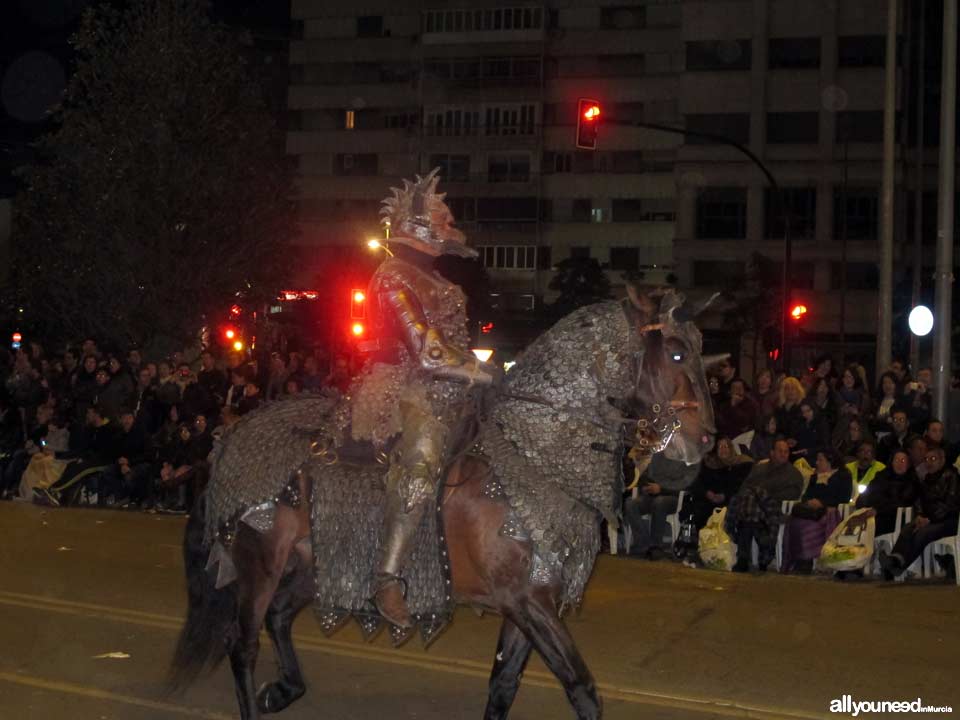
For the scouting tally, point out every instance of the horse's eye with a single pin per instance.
(677, 357)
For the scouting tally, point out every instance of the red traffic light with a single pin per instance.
(588, 122)
(486, 328)
(17, 337)
(357, 329)
(235, 310)
(229, 333)
(358, 305)
(798, 312)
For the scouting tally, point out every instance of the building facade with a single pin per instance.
(488, 92)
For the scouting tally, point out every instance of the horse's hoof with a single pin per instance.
(276, 696)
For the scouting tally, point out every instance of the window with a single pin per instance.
(520, 18)
(510, 120)
(349, 120)
(643, 210)
(462, 209)
(508, 168)
(627, 210)
(793, 127)
(395, 120)
(492, 70)
(860, 126)
(860, 276)
(718, 273)
(557, 162)
(794, 53)
(622, 65)
(801, 274)
(862, 51)
(355, 164)
(580, 252)
(452, 121)
(623, 18)
(733, 126)
(624, 258)
(861, 210)
(453, 168)
(516, 209)
(722, 213)
(511, 257)
(581, 210)
(370, 26)
(718, 55)
(799, 204)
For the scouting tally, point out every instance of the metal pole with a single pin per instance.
(885, 295)
(945, 199)
(843, 247)
(916, 281)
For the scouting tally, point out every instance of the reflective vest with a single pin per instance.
(869, 474)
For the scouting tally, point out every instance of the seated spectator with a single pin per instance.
(896, 438)
(888, 393)
(94, 449)
(660, 485)
(765, 394)
(755, 511)
(277, 377)
(916, 448)
(339, 377)
(852, 396)
(824, 401)
(934, 434)
(814, 518)
(291, 387)
(176, 469)
(865, 467)
(312, 379)
(894, 487)
(764, 437)
(251, 397)
(129, 479)
(45, 469)
(848, 436)
(737, 413)
(936, 512)
(812, 433)
(719, 479)
(168, 391)
(789, 417)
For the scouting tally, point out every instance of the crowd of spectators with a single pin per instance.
(823, 439)
(97, 427)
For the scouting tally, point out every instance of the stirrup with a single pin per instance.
(383, 579)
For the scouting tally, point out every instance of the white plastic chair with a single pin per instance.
(743, 440)
(944, 546)
(886, 541)
(673, 522)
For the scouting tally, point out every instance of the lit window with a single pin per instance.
(349, 120)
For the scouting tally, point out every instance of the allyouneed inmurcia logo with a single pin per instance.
(848, 706)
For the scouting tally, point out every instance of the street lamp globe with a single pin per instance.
(920, 320)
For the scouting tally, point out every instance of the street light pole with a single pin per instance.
(945, 200)
(885, 299)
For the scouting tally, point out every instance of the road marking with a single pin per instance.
(405, 658)
(96, 694)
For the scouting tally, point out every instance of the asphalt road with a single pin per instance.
(663, 641)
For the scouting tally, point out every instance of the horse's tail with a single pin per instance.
(211, 625)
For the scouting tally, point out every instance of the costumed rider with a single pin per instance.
(421, 374)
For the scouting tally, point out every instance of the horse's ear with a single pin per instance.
(643, 304)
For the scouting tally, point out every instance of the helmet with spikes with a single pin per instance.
(421, 219)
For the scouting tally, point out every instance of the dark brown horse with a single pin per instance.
(488, 569)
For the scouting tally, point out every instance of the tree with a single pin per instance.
(162, 193)
(753, 305)
(580, 281)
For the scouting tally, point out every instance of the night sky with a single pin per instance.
(36, 60)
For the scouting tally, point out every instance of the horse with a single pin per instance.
(650, 358)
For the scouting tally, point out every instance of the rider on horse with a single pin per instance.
(420, 374)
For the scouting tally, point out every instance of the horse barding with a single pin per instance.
(292, 516)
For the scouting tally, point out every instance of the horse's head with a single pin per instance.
(671, 393)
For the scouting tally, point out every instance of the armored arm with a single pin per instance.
(428, 345)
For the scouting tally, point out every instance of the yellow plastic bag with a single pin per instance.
(42, 472)
(850, 545)
(717, 550)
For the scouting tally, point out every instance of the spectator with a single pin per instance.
(894, 487)
(121, 372)
(312, 380)
(152, 370)
(134, 361)
(44, 469)
(852, 395)
(212, 379)
(916, 447)
(251, 397)
(919, 400)
(789, 418)
(814, 518)
(888, 393)
(168, 391)
(339, 376)
(194, 399)
(660, 485)
(89, 347)
(766, 395)
(764, 437)
(865, 468)
(934, 434)
(754, 512)
(176, 467)
(277, 377)
(894, 440)
(738, 412)
(129, 477)
(95, 448)
(295, 368)
(291, 387)
(726, 374)
(899, 370)
(825, 402)
(812, 434)
(847, 437)
(146, 408)
(719, 479)
(238, 381)
(822, 370)
(112, 393)
(936, 512)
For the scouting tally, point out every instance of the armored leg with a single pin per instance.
(411, 486)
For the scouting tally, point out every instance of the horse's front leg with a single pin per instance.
(293, 595)
(513, 651)
(537, 618)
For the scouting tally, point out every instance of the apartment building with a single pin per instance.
(488, 92)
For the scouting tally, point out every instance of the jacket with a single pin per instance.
(939, 497)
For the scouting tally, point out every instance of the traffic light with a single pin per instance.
(798, 312)
(588, 122)
(358, 304)
(486, 328)
(15, 344)
(229, 333)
